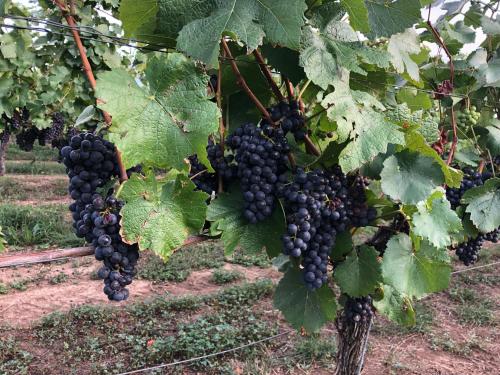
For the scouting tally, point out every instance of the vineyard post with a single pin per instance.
(3, 150)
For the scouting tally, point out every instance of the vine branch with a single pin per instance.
(89, 73)
(241, 81)
(222, 129)
(441, 42)
(267, 73)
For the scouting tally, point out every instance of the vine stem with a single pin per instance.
(222, 128)
(241, 81)
(89, 73)
(441, 42)
(289, 88)
(267, 73)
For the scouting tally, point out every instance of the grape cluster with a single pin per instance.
(201, 177)
(91, 162)
(384, 233)
(4, 136)
(223, 165)
(471, 179)
(358, 211)
(468, 117)
(358, 309)
(289, 117)
(318, 206)
(468, 252)
(261, 155)
(26, 138)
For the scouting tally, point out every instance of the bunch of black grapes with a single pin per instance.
(471, 179)
(91, 163)
(223, 166)
(384, 233)
(468, 252)
(318, 206)
(261, 155)
(358, 211)
(201, 177)
(26, 138)
(289, 117)
(358, 309)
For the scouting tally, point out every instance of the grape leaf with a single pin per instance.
(390, 17)
(160, 215)
(483, 204)
(400, 47)
(358, 14)
(325, 51)
(416, 142)
(360, 273)
(138, 17)
(162, 125)
(227, 212)
(396, 306)
(372, 136)
(414, 273)
(436, 221)
(410, 177)
(371, 131)
(302, 307)
(285, 60)
(248, 21)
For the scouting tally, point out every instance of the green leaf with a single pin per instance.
(373, 135)
(416, 142)
(87, 115)
(360, 274)
(396, 306)
(390, 17)
(483, 204)
(173, 15)
(436, 221)
(410, 177)
(285, 60)
(326, 51)
(160, 216)
(358, 14)
(343, 246)
(138, 17)
(491, 27)
(414, 98)
(248, 21)
(302, 307)
(401, 46)
(160, 126)
(492, 139)
(227, 212)
(414, 273)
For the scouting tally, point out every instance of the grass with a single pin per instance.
(202, 256)
(222, 276)
(446, 343)
(42, 225)
(41, 153)
(16, 189)
(34, 167)
(113, 339)
(424, 316)
(472, 308)
(13, 359)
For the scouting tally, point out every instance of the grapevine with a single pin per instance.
(281, 129)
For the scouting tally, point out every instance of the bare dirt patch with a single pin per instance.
(42, 296)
